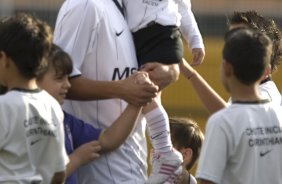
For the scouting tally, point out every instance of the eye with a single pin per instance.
(60, 77)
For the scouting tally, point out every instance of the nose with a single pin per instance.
(67, 83)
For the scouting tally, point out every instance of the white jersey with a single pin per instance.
(270, 91)
(31, 137)
(97, 37)
(139, 13)
(243, 144)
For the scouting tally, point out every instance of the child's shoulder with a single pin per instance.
(192, 179)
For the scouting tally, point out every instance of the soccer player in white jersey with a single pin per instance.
(157, 28)
(245, 137)
(31, 133)
(97, 38)
(210, 98)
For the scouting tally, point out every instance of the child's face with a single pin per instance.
(55, 85)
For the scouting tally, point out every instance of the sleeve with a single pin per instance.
(81, 132)
(63, 158)
(3, 127)
(75, 30)
(213, 156)
(189, 27)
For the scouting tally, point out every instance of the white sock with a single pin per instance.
(158, 130)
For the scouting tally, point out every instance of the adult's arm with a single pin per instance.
(211, 100)
(127, 89)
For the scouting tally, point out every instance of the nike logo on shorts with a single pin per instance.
(119, 33)
(262, 154)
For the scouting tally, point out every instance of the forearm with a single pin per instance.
(115, 135)
(126, 89)
(73, 164)
(58, 178)
(209, 97)
(87, 89)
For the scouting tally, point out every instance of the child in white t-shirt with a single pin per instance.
(157, 27)
(31, 124)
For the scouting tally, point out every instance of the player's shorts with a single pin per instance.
(157, 43)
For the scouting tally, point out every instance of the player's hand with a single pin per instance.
(86, 153)
(162, 75)
(198, 55)
(136, 93)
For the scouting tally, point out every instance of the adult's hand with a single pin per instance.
(135, 92)
(162, 75)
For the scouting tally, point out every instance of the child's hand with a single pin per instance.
(162, 75)
(142, 78)
(86, 152)
(198, 55)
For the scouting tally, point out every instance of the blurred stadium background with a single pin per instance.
(179, 99)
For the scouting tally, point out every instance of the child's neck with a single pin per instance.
(23, 83)
(245, 93)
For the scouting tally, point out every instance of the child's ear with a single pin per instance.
(227, 68)
(187, 154)
(4, 60)
(267, 72)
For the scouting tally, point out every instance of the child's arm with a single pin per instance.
(117, 133)
(58, 178)
(86, 145)
(209, 97)
(83, 155)
(190, 31)
(85, 136)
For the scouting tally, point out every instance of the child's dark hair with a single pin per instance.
(248, 51)
(185, 133)
(257, 22)
(59, 60)
(26, 40)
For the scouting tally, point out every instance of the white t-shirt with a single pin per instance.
(166, 12)
(243, 144)
(31, 137)
(97, 37)
(270, 91)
